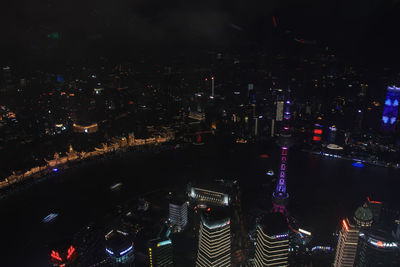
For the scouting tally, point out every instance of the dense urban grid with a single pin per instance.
(159, 125)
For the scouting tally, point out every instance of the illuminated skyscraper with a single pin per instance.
(390, 109)
(376, 207)
(346, 249)
(160, 252)
(178, 215)
(214, 247)
(272, 247)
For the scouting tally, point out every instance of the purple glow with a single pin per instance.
(286, 128)
(281, 236)
(55, 170)
(288, 102)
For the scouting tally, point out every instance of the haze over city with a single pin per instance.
(211, 133)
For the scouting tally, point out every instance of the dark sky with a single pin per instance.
(358, 28)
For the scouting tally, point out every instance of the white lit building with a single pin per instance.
(272, 246)
(178, 215)
(206, 196)
(214, 247)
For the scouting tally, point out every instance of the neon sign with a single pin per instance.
(70, 252)
(55, 255)
(126, 251)
(390, 110)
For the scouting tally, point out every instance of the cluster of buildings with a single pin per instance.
(364, 241)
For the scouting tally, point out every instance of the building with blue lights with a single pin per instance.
(272, 247)
(119, 247)
(390, 109)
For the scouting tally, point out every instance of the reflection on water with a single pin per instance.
(322, 190)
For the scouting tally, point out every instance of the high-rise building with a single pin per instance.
(346, 249)
(272, 247)
(160, 252)
(390, 109)
(279, 110)
(178, 215)
(377, 248)
(375, 207)
(214, 246)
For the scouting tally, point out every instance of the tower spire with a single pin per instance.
(280, 196)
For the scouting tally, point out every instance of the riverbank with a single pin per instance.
(344, 157)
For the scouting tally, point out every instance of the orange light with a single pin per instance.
(345, 225)
(380, 244)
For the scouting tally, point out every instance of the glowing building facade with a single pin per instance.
(346, 249)
(119, 247)
(390, 109)
(178, 215)
(214, 247)
(206, 196)
(272, 247)
(160, 252)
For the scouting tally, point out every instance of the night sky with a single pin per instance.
(362, 30)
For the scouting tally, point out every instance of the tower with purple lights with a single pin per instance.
(390, 109)
(280, 196)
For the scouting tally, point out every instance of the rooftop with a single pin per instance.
(274, 223)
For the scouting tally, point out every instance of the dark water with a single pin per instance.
(322, 191)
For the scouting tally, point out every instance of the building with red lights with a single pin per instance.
(375, 207)
(346, 249)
